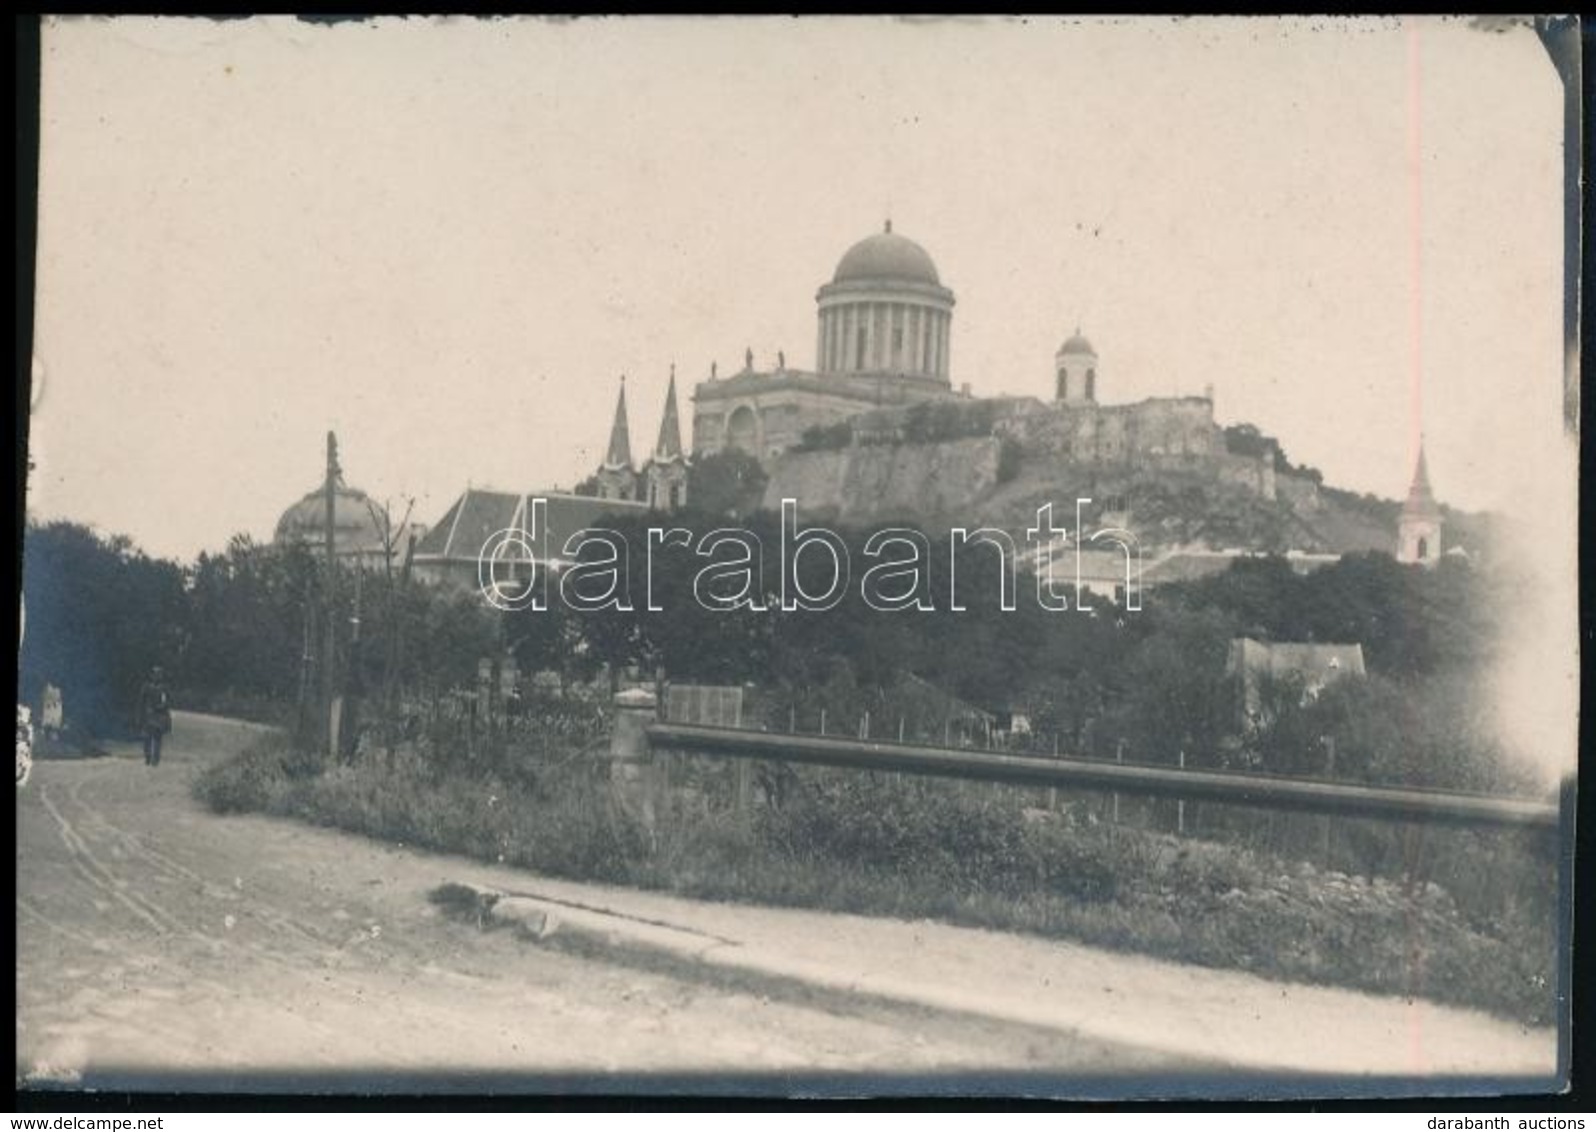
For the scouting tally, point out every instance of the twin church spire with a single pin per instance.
(662, 483)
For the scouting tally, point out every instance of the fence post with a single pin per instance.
(1052, 791)
(1330, 773)
(1180, 803)
(1119, 759)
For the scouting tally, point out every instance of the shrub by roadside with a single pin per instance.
(874, 845)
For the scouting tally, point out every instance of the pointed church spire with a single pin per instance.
(670, 426)
(1419, 528)
(1421, 500)
(620, 452)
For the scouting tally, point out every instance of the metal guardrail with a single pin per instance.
(1231, 788)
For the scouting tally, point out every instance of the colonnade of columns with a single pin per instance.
(892, 337)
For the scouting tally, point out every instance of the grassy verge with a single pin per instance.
(913, 849)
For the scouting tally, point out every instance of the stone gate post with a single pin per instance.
(633, 770)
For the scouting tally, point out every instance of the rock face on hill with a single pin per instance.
(876, 482)
(1161, 468)
(1178, 499)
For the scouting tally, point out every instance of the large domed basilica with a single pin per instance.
(883, 338)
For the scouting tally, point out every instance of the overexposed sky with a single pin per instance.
(446, 239)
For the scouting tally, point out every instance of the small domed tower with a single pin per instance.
(1075, 369)
(1419, 530)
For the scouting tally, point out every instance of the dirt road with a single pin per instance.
(161, 946)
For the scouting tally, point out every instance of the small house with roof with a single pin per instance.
(1308, 667)
(487, 530)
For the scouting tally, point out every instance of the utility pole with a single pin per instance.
(353, 691)
(1330, 773)
(329, 679)
(307, 665)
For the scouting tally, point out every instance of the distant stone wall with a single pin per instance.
(1103, 449)
(884, 481)
(1145, 432)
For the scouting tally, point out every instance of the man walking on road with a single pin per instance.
(155, 715)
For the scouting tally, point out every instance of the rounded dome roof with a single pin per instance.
(1077, 344)
(887, 255)
(354, 524)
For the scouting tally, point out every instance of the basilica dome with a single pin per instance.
(1077, 344)
(887, 255)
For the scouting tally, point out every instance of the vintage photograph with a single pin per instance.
(800, 557)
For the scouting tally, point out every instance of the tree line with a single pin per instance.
(238, 631)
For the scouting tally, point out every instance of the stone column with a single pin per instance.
(942, 352)
(633, 771)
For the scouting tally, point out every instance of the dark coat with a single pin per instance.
(155, 708)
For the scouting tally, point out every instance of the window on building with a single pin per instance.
(1091, 385)
(1424, 548)
(1063, 385)
(676, 496)
(897, 346)
(859, 361)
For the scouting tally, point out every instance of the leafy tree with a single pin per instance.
(730, 482)
(825, 438)
(100, 614)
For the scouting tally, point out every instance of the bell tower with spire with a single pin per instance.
(1419, 530)
(665, 474)
(617, 479)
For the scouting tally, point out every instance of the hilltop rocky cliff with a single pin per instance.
(988, 481)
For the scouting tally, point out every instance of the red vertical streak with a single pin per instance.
(1416, 254)
(1416, 1059)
